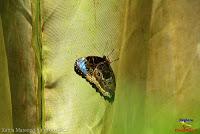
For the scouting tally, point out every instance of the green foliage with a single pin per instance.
(5, 102)
(158, 46)
(22, 75)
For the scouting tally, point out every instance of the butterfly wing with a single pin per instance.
(98, 72)
(105, 79)
(80, 67)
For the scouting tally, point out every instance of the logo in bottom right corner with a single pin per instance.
(185, 125)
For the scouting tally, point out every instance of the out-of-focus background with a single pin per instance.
(157, 74)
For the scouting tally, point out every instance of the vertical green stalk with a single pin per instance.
(5, 96)
(37, 45)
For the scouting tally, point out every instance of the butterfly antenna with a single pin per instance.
(114, 60)
(119, 50)
(110, 53)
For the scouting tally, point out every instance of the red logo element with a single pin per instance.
(185, 126)
(185, 130)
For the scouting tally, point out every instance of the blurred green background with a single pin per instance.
(157, 75)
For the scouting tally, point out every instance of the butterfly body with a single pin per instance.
(98, 72)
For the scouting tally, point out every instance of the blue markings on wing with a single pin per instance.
(81, 63)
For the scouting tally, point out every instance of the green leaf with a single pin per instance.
(5, 96)
(23, 79)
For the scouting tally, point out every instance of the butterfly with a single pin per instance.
(98, 72)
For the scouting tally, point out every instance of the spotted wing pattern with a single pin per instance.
(98, 72)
